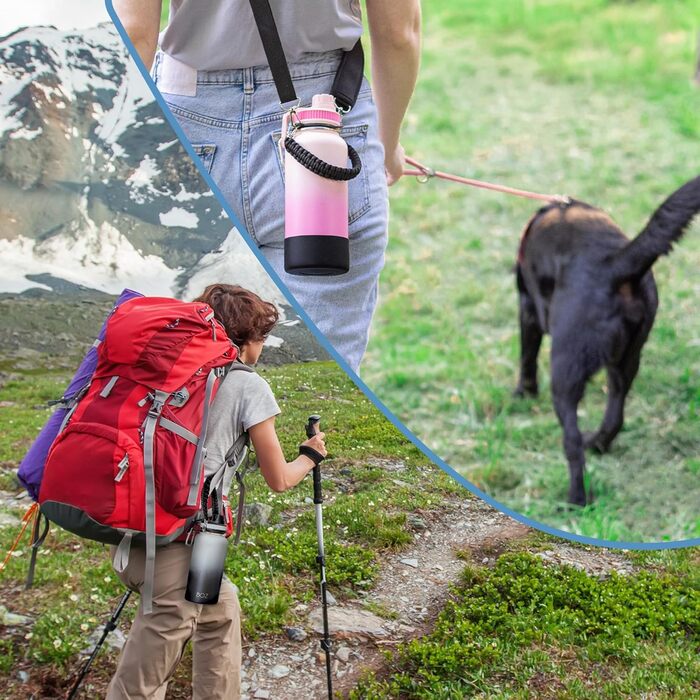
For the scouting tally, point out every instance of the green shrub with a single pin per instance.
(522, 617)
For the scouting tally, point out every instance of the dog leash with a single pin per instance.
(423, 173)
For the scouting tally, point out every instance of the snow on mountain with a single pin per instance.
(94, 185)
(233, 263)
(97, 191)
(61, 66)
(178, 216)
(87, 260)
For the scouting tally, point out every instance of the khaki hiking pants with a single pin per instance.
(156, 642)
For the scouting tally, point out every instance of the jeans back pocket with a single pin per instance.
(206, 153)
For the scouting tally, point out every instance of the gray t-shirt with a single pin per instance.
(221, 34)
(244, 399)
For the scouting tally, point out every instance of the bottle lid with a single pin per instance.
(322, 111)
(216, 526)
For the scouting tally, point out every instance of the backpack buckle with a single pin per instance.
(156, 408)
(180, 398)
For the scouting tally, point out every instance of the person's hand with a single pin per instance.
(394, 164)
(317, 443)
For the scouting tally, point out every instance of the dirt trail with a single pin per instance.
(412, 588)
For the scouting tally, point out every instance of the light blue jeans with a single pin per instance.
(233, 122)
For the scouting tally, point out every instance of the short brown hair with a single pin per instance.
(244, 315)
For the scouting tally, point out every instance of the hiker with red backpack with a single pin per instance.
(144, 458)
(244, 405)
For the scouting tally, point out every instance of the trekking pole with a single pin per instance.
(109, 627)
(312, 427)
(37, 540)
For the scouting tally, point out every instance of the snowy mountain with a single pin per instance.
(97, 193)
(95, 188)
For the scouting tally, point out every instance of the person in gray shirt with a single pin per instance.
(244, 405)
(212, 72)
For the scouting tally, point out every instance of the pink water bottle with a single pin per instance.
(316, 190)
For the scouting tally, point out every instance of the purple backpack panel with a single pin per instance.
(31, 469)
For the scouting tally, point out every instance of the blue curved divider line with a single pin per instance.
(332, 352)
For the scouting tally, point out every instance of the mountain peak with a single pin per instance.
(88, 163)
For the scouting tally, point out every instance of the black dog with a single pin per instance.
(581, 280)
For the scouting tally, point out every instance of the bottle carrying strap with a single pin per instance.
(320, 167)
(207, 491)
(348, 78)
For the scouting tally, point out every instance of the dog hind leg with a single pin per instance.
(530, 341)
(568, 385)
(620, 378)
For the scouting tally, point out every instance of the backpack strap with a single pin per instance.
(121, 556)
(199, 452)
(240, 509)
(243, 441)
(240, 366)
(148, 464)
(149, 428)
(70, 403)
(213, 481)
(242, 467)
(179, 430)
(107, 390)
(37, 540)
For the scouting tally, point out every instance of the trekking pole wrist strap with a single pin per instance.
(313, 455)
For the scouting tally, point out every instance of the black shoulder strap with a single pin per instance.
(37, 540)
(348, 78)
(262, 12)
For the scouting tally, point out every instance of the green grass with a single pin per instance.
(366, 511)
(526, 630)
(591, 98)
(519, 630)
(23, 415)
(274, 567)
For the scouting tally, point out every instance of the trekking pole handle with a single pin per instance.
(313, 426)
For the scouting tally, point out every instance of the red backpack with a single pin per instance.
(128, 462)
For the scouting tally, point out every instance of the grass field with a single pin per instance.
(595, 99)
(274, 567)
(512, 628)
(592, 98)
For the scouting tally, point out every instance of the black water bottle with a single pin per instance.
(207, 563)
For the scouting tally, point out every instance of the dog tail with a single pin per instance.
(666, 226)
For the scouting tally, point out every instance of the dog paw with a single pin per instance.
(577, 499)
(595, 442)
(566, 509)
(521, 392)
